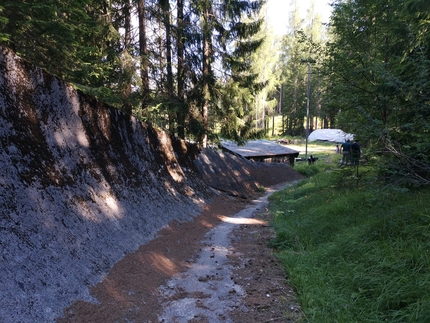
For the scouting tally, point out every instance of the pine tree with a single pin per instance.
(379, 63)
(221, 26)
(49, 34)
(294, 74)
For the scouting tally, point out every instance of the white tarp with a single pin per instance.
(334, 135)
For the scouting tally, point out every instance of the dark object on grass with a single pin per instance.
(311, 159)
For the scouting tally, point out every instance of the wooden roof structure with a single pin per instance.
(261, 150)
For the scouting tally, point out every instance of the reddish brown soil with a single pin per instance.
(130, 291)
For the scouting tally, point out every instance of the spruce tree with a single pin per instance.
(379, 61)
(221, 28)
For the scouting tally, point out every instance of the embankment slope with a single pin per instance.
(83, 184)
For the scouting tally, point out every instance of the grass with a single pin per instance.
(354, 253)
(325, 153)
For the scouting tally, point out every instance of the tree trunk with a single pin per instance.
(166, 21)
(128, 107)
(181, 69)
(207, 69)
(143, 49)
(256, 112)
(273, 124)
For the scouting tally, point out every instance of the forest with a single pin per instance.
(209, 69)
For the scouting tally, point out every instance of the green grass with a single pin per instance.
(355, 253)
(324, 151)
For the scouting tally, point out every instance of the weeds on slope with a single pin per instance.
(355, 253)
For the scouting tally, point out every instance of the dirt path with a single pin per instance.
(217, 268)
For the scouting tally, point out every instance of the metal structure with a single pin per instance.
(309, 61)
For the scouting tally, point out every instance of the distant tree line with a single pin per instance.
(166, 62)
(207, 68)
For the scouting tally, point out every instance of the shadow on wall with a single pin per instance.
(81, 185)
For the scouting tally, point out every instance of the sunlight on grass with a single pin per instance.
(354, 253)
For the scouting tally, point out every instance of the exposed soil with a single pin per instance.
(104, 218)
(132, 290)
(269, 297)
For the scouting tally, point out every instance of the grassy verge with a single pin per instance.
(354, 253)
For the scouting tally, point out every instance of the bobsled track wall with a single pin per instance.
(81, 185)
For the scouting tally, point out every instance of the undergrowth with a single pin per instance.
(355, 251)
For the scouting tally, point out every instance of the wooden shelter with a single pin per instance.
(262, 151)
